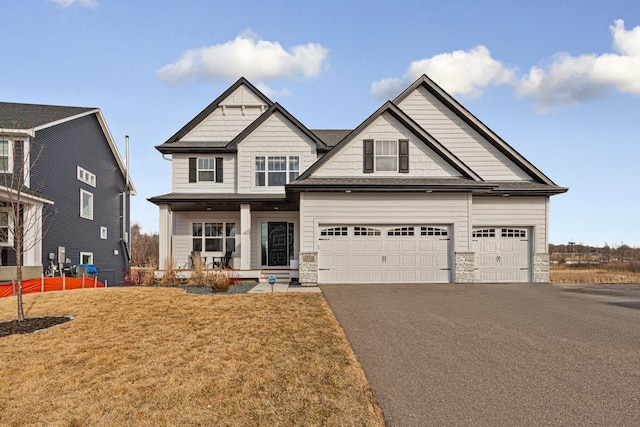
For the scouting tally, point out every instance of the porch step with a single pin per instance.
(282, 276)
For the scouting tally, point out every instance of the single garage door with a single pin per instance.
(502, 254)
(384, 254)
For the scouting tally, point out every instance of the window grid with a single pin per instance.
(4, 227)
(514, 232)
(86, 176)
(485, 232)
(213, 236)
(276, 171)
(365, 231)
(334, 231)
(386, 155)
(5, 158)
(206, 169)
(433, 231)
(401, 231)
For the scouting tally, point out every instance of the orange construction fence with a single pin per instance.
(47, 284)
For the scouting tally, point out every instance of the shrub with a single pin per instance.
(218, 280)
(198, 275)
(134, 276)
(170, 277)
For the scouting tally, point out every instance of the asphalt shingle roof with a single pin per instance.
(331, 137)
(27, 116)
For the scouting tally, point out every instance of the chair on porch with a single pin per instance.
(223, 262)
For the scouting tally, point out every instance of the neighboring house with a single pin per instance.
(421, 191)
(74, 180)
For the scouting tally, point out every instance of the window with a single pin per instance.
(86, 257)
(514, 232)
(334, 231)
(484, 232)
(433, 231)
(401, 231)
(205, 169)
(103, 233)
(6, 238)
(365, 231)
(86, 177)
(86, 204)
(276, 171)
(5, 156)
(213, 236)
(386, 155)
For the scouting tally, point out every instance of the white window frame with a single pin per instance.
(291, 172)
(86, 176)
(226, 235)
(10, 145)
(82, 194)
(9, 227)
(381, 155)
(103, 233)
(87, 254)
(211, 161)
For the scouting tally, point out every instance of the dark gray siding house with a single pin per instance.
(75, 169)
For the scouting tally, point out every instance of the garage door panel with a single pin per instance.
(502, 254)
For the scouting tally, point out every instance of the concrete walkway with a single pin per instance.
(282, 287)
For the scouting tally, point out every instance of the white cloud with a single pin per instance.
(247, 56)
(459, 73)
(68, 3)
(572, 80)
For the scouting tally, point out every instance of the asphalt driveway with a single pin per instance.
(508, 354)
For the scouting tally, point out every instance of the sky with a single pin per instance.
(558, 80)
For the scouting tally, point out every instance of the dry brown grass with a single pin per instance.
(563, 274)
(141, 356)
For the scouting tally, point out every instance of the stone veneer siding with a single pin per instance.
(541, 268)
(464, 267)
(308, 268)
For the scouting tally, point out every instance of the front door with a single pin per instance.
(277, 244)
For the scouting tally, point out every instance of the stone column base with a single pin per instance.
(540, 268)
(308, 268)
(464, 267)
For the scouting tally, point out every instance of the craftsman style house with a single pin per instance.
(421, 191)
(74, 190)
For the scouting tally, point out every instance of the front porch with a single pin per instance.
(261, 237)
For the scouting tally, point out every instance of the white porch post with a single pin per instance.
(165, 236)
(32, 221)
(245, 236)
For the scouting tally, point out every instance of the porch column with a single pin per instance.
(32, 222)
(245, 236)
(164, 252)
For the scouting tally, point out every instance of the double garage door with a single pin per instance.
(384, 254)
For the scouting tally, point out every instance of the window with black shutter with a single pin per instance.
(193, 169)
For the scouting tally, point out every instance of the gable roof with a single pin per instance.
(29, 118)
(471, 120)
(331, 137)
(408, 123)
(233, 144)
(210, 109)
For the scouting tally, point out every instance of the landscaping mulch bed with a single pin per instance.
(28, 326)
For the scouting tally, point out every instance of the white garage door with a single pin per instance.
(384, 254)
(501, 254)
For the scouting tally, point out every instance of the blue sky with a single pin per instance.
(559, 81)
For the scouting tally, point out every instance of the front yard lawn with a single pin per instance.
(155, 356)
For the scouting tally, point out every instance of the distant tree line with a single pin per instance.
(579, 252)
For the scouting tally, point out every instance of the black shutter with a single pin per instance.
(368, 155)
(218, 169)
(193, 171)
(403, 156)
